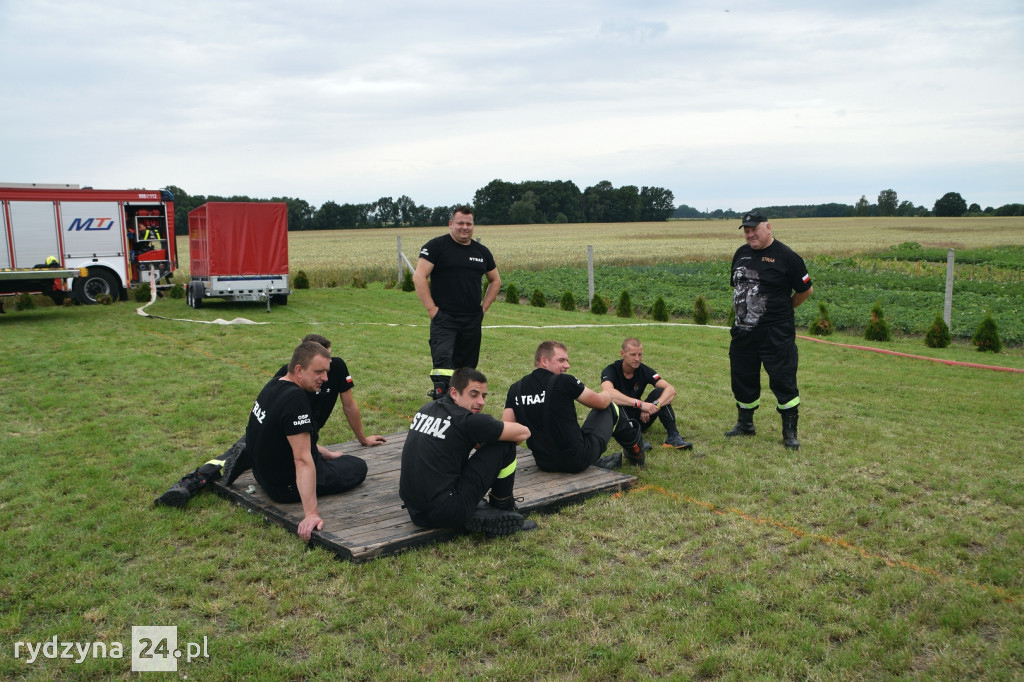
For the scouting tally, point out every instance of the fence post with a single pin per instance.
(399, 260)
(590, 274)
(947, 311)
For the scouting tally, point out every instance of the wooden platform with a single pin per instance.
(368, 521)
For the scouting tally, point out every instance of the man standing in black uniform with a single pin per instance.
(453, 264)
(626, 380)
(770, 280)
(545, 401)
(443, 481)
(281, 438)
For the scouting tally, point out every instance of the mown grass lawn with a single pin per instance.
(888, 546)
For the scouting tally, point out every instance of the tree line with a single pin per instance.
(951, 204)
(497, 203)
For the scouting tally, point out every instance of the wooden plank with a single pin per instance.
(369, 521)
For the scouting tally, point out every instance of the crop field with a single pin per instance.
(852, 262)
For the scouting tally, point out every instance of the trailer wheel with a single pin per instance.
(188, 295)
(279, 299)
(96, 283)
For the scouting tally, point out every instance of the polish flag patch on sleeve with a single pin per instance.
(805, 279)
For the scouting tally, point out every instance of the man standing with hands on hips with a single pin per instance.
(454, 264)
(770, 280)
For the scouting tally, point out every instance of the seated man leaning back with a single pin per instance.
(281, 438)
(453, 455)
(545, 401)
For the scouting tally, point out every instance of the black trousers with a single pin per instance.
(479, 475)
(332, 476)
(455, 340)
(774, 348)
(597, 431)
(666, 415)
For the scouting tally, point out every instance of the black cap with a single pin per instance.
(753, 219)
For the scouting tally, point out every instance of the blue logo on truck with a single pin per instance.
(77, 225)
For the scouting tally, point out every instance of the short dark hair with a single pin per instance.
(316, 338)
(547, 350)
(464, 375)
(466, 210)
(305, 352)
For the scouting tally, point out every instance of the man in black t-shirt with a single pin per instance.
(626, 380)
(454, 454)
(281, 439)
(769, 281)
(454, 263)
(545, 401)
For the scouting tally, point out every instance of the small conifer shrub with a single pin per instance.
(986, 338)
(176, 291)
(104, 299)
(537, 299)
(701, 313)
(407, 283)
(625, 307)
(938, 335)
(823, 325)
(878, 328)
(568, 302)
(301, 280)
(598, 305)
(512, 294)
(142, 292)
(659, 312)
(24, 302)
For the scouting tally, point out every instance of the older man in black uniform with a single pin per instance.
(545, 401)
(770, 280)
(454, 263)
(454, 454)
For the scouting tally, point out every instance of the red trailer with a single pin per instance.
(238, 251)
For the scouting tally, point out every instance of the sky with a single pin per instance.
(727, 104)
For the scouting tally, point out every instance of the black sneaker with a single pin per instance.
(494, 522)
(676, 441)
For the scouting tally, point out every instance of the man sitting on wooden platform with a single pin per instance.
(545, 401)
(282, 437)
(441, 484)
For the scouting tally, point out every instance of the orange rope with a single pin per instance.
(955, 363)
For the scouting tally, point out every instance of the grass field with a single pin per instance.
(887, 547)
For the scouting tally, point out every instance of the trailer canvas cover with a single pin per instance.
(238, 238)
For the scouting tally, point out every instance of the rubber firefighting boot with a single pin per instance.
(744, 423)
(236, 461)
(189, 485)
(789, 419)
(629, 434)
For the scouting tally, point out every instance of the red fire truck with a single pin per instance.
(59, 239)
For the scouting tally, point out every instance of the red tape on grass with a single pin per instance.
(913, 357)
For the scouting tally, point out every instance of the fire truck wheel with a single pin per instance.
(98, 282)
(197, 298)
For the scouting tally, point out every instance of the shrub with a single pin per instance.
(701, 314)
(301, 280)
(568, 302)
(938, 335)
(512, 294)
(176, 291)
(24, 302)
(357, 281)
(598, 305)
(104, 299)
(823, 325)
(69, 301)
(659, 312)
(407, 283)
(987, 336)
(625, 307)
(142, 292)
(537, 299)
(878, 328)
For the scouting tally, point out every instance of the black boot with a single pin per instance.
(744, 423)
(236, 461)
(509, 504)
(494, 522)
(440, 388)
(190, 484)
(789, 419)
(629, 434)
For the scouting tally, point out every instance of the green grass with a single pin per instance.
(888, 546)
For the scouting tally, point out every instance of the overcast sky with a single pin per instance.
(727, 104)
